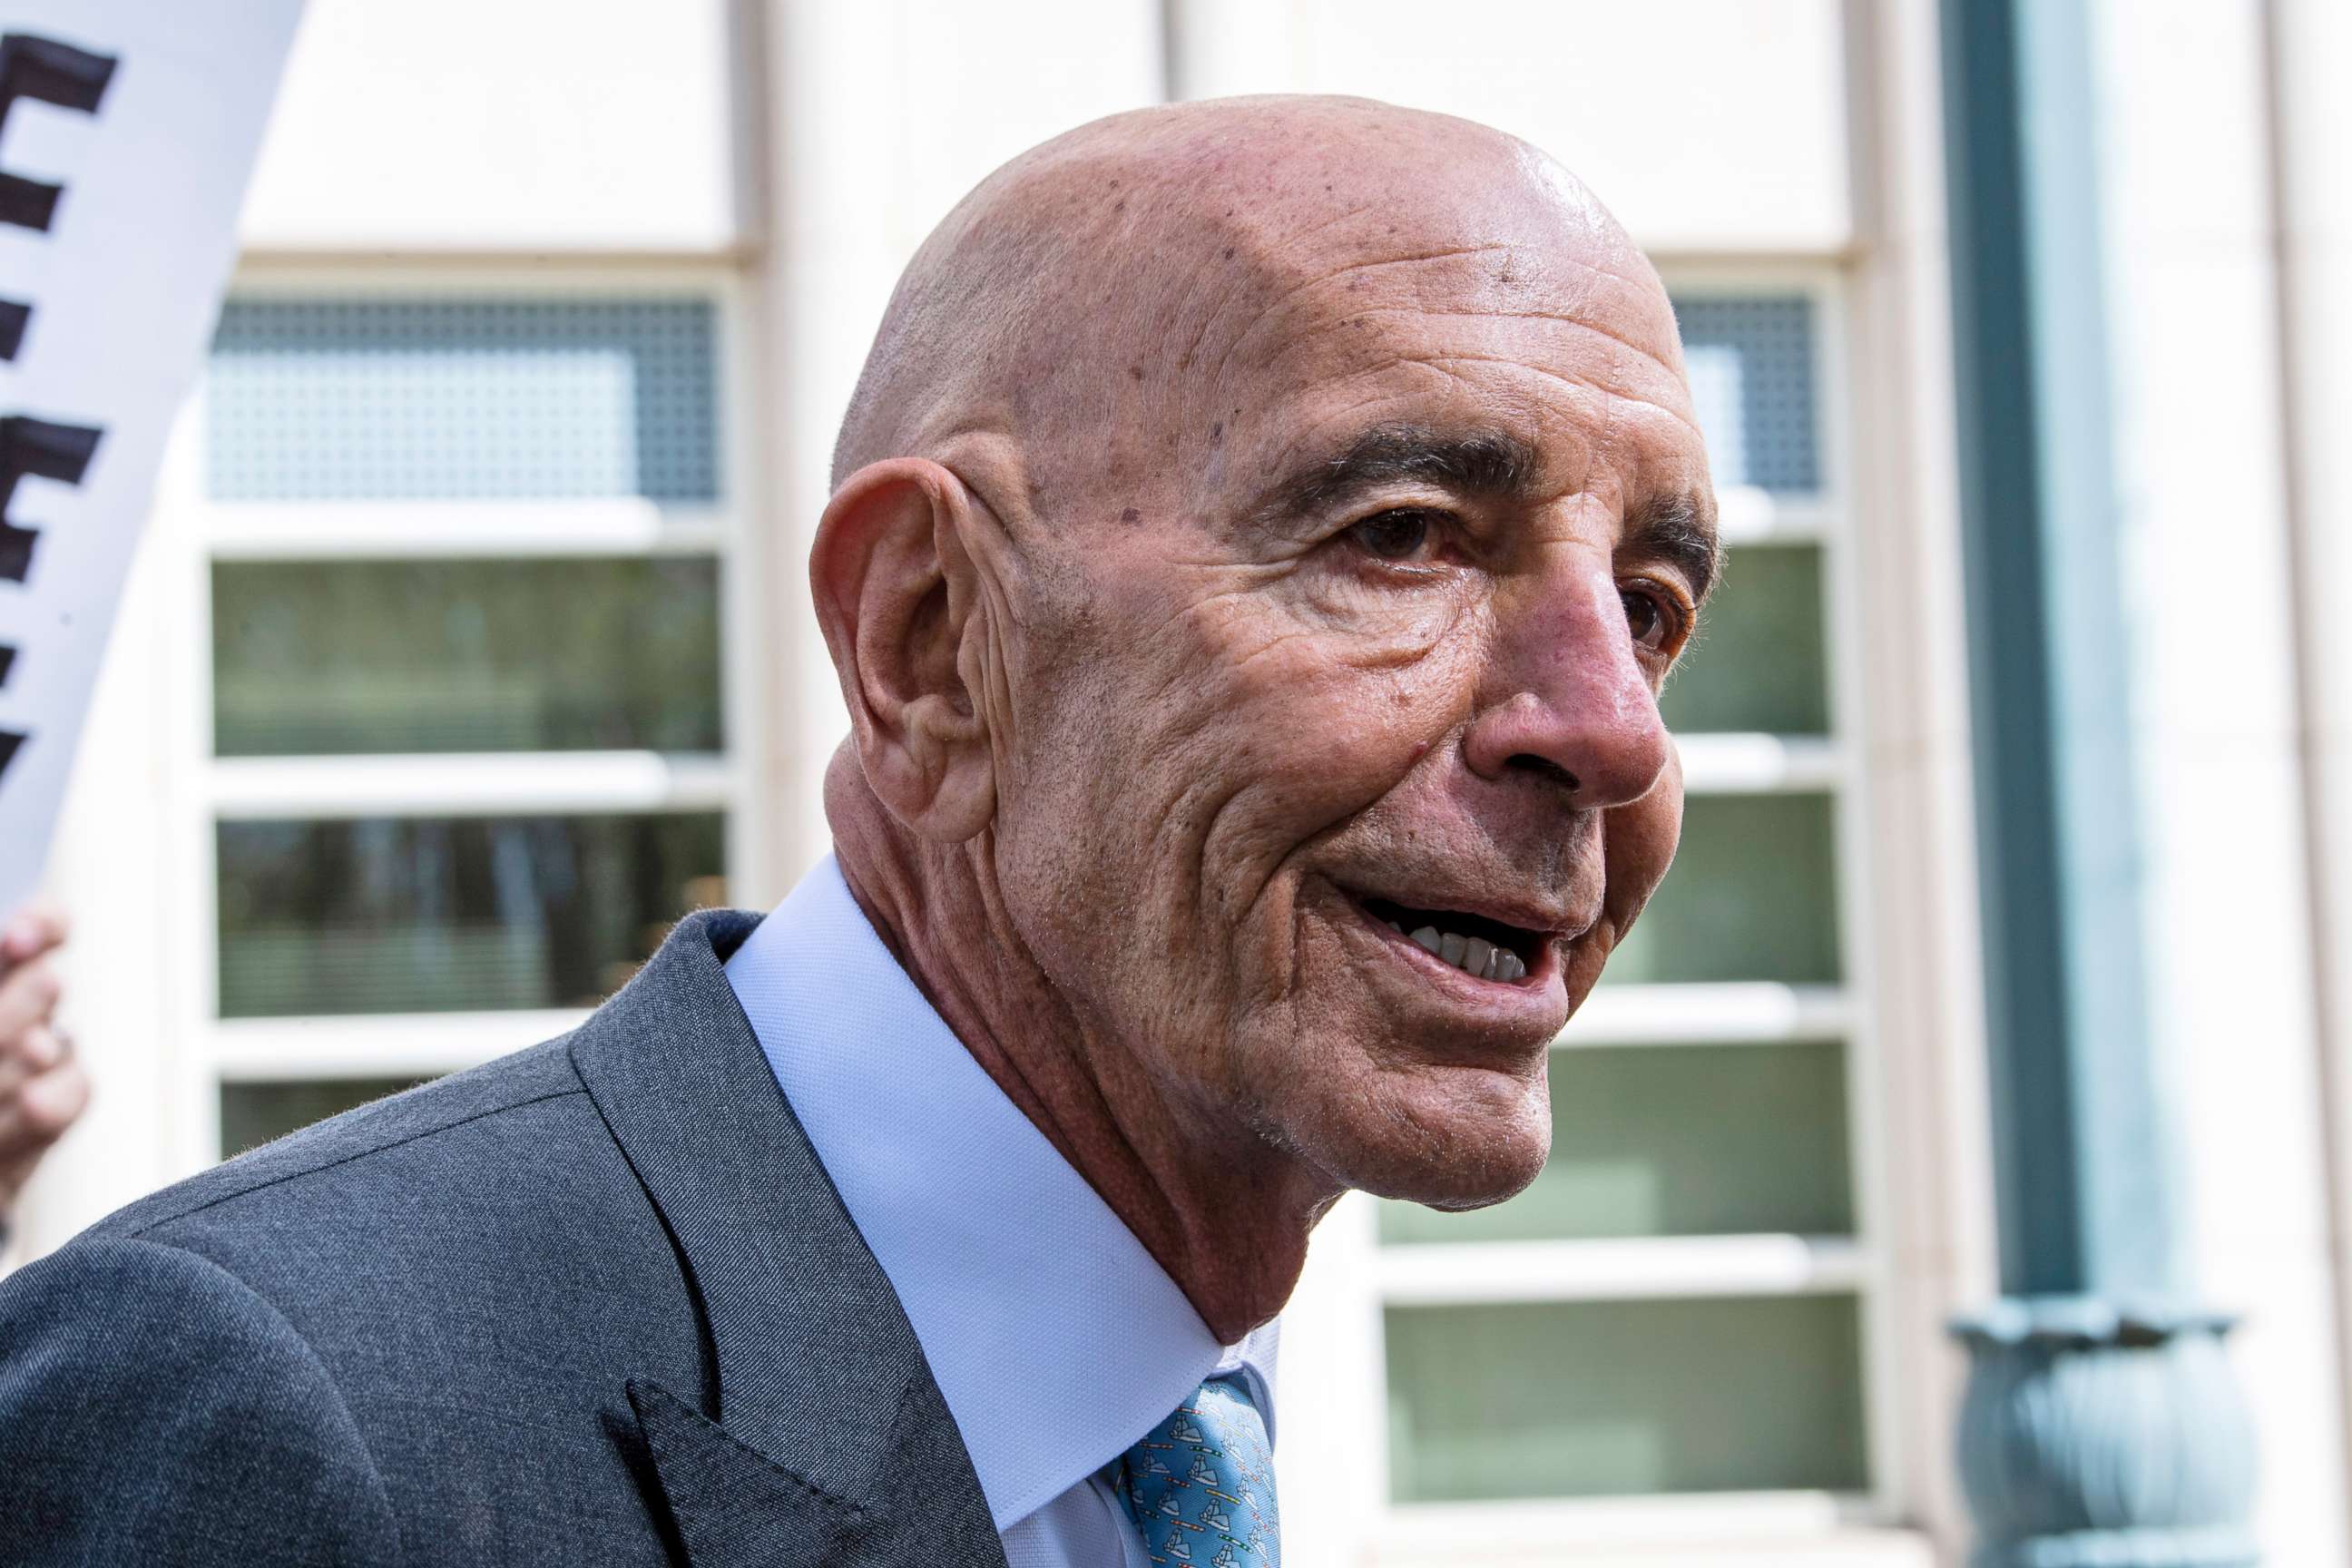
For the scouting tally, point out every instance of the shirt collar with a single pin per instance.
(1057, 1340)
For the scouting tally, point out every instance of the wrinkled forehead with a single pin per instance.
(1491, 289)
(1177, 298)
(1254, 217)
(1381, 275)
(1491, 224)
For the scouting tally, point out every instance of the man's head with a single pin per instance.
(1260, 534)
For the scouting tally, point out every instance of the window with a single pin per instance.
(1682, 1307)
(474, 727)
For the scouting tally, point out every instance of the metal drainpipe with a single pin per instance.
(2102, 1424)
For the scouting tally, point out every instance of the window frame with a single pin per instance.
(1333, 1342)
(194, 531)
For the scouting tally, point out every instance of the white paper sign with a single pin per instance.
(128, 129)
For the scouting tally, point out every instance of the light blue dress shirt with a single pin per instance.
(1055, 1338)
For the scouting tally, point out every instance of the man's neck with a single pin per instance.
(1224, 1212)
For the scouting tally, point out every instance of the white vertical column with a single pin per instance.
(2311, 53)
(1330, 1448)
(2193, 325)
(1218, 48)
(1919, 794)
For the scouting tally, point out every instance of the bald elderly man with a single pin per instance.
(1257, 543)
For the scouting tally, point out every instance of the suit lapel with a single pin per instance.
(731, 1504)
(824, 1439)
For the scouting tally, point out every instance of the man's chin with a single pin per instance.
(1453, 1188)
(1469, 1139)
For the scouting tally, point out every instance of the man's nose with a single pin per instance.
(1566, 697)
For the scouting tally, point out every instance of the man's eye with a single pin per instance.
(1650, 622)
(1393, 535)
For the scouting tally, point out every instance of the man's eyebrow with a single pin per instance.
(1474, 462)
(1677, 531)
(1674, 530)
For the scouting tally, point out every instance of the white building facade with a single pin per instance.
(546, 318)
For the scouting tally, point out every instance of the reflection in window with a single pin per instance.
(450, 399)
(1752, 895)
(402, 915)
(466, 656)
(1760, 662)
(1750, 363)
(1597, 1398)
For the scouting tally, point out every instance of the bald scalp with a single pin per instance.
(1099, 301)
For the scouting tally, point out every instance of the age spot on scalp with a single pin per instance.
(1132, 515)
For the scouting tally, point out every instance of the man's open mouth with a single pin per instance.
(1474, 944)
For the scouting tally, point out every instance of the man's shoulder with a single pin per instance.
(126, 1363)
(455, 1118)
(370, 1320)
(454, 1290)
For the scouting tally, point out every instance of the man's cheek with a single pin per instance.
(1640, 839)
(1367, 626)
(1404, 668)
(1320, 754)
(1333, 616)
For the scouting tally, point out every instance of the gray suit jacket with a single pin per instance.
(594, 1303)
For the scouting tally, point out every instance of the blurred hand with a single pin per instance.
(42, 1087)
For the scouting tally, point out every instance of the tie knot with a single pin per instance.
(1200, 1484)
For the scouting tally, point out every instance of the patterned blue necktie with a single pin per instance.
(1200, 1484)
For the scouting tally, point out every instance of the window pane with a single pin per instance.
(401, 915)
(1752, 896)
(251, 1114)
(458, 398)
(1602, 1398)
(472, 655)
(1759, 663)
(1751, 378)
(1675, 1140)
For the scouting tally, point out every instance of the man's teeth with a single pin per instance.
(1471, 954)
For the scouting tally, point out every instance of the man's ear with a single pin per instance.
(897, 599)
